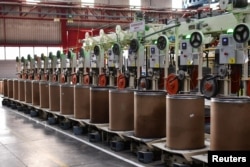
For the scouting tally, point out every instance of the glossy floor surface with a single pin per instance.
(25, 143)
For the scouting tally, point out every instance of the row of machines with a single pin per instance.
(112, 101)
(232, 63)
(150, 101)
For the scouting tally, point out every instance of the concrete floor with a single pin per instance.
(25, 143)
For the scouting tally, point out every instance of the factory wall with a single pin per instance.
(74, 39)
(144, 3)
(31, 32)
(157, 3)
(8, 69)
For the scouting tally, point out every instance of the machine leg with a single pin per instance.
(78, 130)
(94, 137)
(65, 125)
(52, 120)
(145, 156)
(117, 145)
(34, 113)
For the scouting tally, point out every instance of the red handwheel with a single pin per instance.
(45, 77)
(38, 77)
(121, 81)
(172, 84)
(86, 79)
(102, 81)
(54, 78)
(74, 79)
(62, 78)
(30, 77)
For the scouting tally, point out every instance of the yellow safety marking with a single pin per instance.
(231, 60)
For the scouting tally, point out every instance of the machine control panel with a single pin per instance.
(37, 62)
(131, 58)
(52, 61)
(58, 63)
(97, 57)
(113, 59)
(94, 61)
(23, 63)
(156, 60)
(30, 64)
(80, 62)
(67, 63)
(187, 57)
(136, 54)
(71, 59)
(61, 62)
(43, 64)
(49, 63)
(231, 52)
(87, 57)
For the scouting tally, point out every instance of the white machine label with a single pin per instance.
(42, 64)
(137, 26)
(49, 64)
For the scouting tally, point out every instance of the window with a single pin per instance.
(53, 50)
(11, 53)
(135, 4)
(39, 50)
(2, 55)
(177, 4)
(24, 51)
(32, 1)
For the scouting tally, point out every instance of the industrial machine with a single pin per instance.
(30, 67)
(78, 76)
(231, 75)
(21, 66)
(86, 80)
(104, 65)
(69, 71)
(44, 67)
(18, 66)
(97, 65)
(51, 70)
(191, 58)
(37, 67)
(158, 62)
(101, 62)
(60, 67)
(135, 62)
(115, 62)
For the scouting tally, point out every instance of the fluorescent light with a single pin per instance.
(33, 1)
(56, 19)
